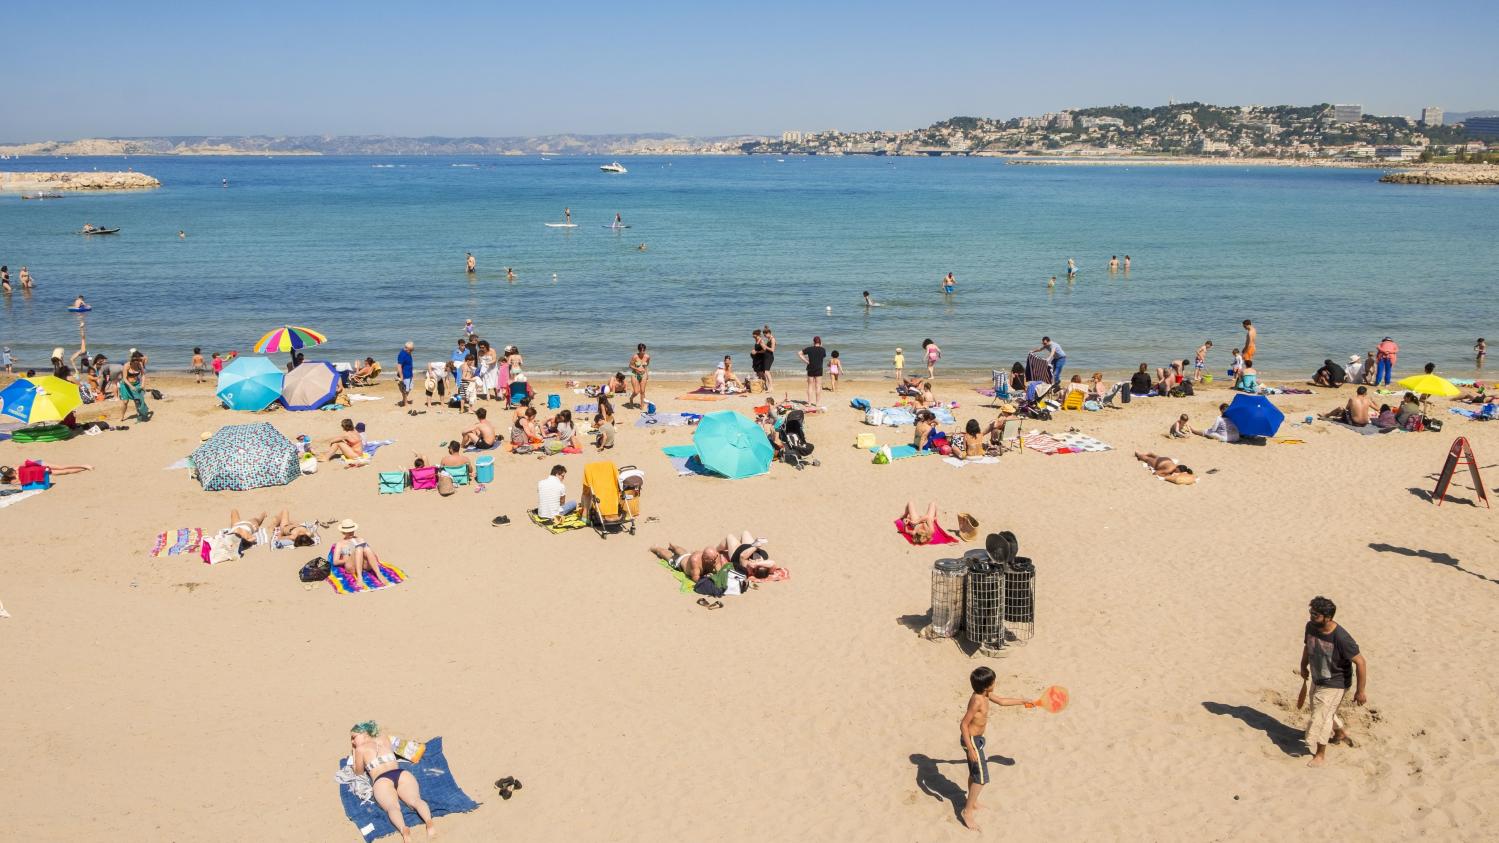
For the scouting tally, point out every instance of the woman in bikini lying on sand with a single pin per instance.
(1167, 469)
(374, 757)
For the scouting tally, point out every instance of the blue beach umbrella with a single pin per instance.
(1254, 415)
(731, 444)
(250, 383)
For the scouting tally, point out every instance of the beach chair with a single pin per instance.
(1001, 385)
(601, 496)
(1009, 432)
(1074, 400)
(369, 381)
(518, 390)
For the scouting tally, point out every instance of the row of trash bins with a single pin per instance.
(992, 601)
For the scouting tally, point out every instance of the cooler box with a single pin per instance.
(484, 469)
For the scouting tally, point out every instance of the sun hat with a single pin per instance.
(347, 526)
(897, 349)
(1353, 358)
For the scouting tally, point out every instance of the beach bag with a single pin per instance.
(424, 478)
(221, 548)
(315, 571)
(309, 464)
(1415, 423)
(874, 416)
(1093, 406)
(392, 482)
(445, 485)
(757, 386)
(859, 404)
(553, 446)
(1433, 424)
(864, 441)
(33, 475)
(882, 456)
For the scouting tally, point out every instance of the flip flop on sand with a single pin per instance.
(500, 520)
(716, 604)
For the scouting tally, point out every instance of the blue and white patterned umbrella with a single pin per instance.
(246, 456)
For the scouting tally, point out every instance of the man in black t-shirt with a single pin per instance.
(1329, 656)
(1331, 374)
(1140, 382)
(813, 356)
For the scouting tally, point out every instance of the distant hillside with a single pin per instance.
(627, 144)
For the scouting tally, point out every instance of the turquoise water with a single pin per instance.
(1326, 262)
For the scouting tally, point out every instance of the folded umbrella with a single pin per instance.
(1254, 415)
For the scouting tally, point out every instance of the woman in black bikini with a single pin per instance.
(768, 357)
(757, 356)
(374, 757)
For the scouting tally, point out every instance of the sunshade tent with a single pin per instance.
(40, 399)
(1254, 415)
(309, 386)
(288, 338)
(246, 456)
(250, 383)
(1430, 385)
(731, 444)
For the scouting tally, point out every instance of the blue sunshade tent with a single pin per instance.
(309, 386)
(1254, 415)
(731, 444)
(250, 383)
(246, 456)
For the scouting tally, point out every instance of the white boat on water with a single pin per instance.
(614, 167)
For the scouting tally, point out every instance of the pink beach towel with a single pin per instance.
(939, 535)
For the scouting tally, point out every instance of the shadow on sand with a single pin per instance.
(931, 781)
(1286, 738)
(1430, 556)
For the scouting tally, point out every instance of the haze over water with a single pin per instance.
(1325, 261)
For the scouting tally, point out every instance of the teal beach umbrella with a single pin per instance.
(731, 444)
(250, 383)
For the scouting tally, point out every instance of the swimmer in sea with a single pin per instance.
(1052, 282)
(618, 220)
(509, 273)
(79, 303)
(181, 235)
(640, 248)
(948, 284)
(1071, 267)
(470, 263)
(869, 302)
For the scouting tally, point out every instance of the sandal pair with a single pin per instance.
(507, 785)
(716, 604)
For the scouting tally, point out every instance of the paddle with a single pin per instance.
(1053, 699)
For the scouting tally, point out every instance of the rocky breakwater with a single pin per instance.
(1446, 174)
(76, 181)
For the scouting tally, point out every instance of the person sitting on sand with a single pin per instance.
(926, 425)
(355, 555)
(724, 381)
(366, 373)
(1248, 380)
(1181, 429)
(1358, 411)
(1355, 370)
(1409, 406)
(970, 445)
(524, 430)
(455, 457)
(287, 533)
(695, 564)
(1017, 376)
(603, 431)
(347, 444)
(1167, 469)
(561, 426)
(1140, 382)
(1386, 419)
(8, 474)
(374, 757)
(1222, 429)
(481, 434)
(1331, 374)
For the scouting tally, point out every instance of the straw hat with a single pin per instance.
(347, 526)
(968, 527)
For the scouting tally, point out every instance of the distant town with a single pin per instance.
(1325, 132)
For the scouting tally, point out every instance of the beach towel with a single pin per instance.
(1365, 430)
(939, 535)
(185, 462)
(900, 452)
(665, 420)
(956, 462)
(1047, 444)
(585, 408)
(684, 583)
(687, 466)
(703, 395)
(373, 445)
(1472, 414)
(439, 791)
(11, 496)
(342, 583)
(174, 542)
(359, 396)
(1077, 442)
(561, 524)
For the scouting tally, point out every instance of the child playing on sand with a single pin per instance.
(900, 365)
(1201, 362)
(1180, 429)
(971, 728)
(835, 368)
(197, 367)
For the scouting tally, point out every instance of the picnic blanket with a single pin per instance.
(1363, 429)
(181, 540)
(684, 583)
(342, 583)
(1078, 442)
(1044, 443)
(939, 535)
(439, 791)
(561, 524)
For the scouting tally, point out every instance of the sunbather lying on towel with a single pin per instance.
(748, 556)
(920, 526)
(374, 757)
(8, 474)
(245, 528)
(694, 564)
(287, 533)
(1167, 469)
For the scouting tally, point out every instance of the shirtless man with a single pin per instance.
(694, 565)
(346, 444)
(1250, 335)
(1358, 411)
(455, 456)
(482, 434)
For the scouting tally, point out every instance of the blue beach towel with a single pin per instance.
(680, 451)
(440, 792)
(900, 452)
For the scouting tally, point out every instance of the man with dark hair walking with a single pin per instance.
(1329, 656)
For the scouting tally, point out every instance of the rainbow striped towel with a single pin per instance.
(339, 579)
(173, 542)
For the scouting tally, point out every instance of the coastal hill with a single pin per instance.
(626, 144)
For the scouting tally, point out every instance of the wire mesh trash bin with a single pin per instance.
(1020, 599)
(983, 617)
(948, 578)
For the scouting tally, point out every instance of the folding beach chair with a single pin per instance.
(602, 495)
(1009, 433)
(1074, 400)
(1001, 385)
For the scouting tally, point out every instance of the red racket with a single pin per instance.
(1053, 699)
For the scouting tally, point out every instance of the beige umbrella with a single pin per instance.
(309, 386)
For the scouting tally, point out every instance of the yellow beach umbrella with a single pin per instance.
(1430, 385)
(43, 399)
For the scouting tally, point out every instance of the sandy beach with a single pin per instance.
(164, 699)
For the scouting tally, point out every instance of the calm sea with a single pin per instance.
(371, 252)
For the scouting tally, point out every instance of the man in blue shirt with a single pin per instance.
(403, 360)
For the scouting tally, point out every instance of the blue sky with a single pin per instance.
(504, 68)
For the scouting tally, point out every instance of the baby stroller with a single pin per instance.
(795, 449)
(631, 485)
(601, 491)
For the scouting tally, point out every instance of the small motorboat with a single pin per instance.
(614, 167)
(87, 231)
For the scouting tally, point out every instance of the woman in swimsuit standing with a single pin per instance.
(374, 757)
(757, 356)
(640, 370)
(768, 356)
(489, 375)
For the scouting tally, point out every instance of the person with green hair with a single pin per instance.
(374, 757)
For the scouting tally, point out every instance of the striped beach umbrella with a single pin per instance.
(287, 338)
(42, 399)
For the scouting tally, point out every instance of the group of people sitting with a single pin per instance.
(528, 432)
(282, 532)
(1360, 411)
(1222, 429)
(1171, 379)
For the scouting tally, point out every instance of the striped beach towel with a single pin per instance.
(173, 542)
(339, 579)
